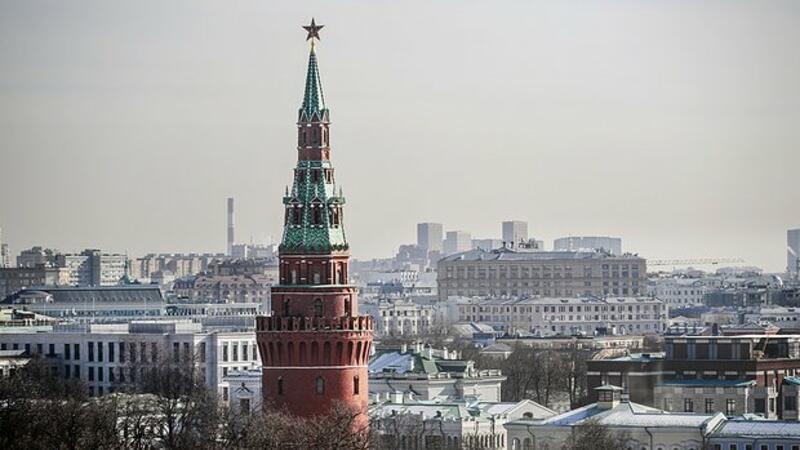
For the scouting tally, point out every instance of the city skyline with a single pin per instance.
(169, 117)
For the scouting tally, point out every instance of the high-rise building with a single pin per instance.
(315, 346)
(35, 256)
(93, 268)
(612, 245)
(507, 272)
(429, 236)
(793, 252)
(230, 226)
(5, 259)
(514, 232)
(456, 242)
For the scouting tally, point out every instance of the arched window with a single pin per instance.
(356, 387)
(316, 215)
(296, 216)
(287, 310)
(318, 307)
(280, 385)
(320, 385)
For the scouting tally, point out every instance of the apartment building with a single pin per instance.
(567, 315)
(105, 356)
(507, 272)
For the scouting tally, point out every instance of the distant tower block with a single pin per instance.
(315, 346)
(230, 226)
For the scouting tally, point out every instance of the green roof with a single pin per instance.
(313, 107)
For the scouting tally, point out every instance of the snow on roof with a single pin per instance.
(628, 414)
(758, 428)
(394, 361)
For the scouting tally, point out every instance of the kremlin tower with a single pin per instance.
(315, 346)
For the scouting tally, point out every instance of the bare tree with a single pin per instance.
(590, 435)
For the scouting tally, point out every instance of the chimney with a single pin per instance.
(230, 226)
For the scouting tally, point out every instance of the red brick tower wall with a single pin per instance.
(314, 347)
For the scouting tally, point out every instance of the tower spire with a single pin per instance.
(313, 107)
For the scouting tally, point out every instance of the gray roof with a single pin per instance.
(626, 414)
(95, 294)
(505, 254)
(758, 428)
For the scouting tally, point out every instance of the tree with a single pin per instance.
(590, 435)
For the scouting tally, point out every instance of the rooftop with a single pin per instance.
(506, 254)
(758, 429)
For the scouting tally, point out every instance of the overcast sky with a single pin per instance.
(674, 125)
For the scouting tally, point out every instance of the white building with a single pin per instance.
(103, 355)
(241, 390)
(793, 252)
(429, 237)
(514, 232)
(729, 397)
(646, 428)
(743, 434)
(780, 316)
(566, 316)
(612, 245)
(422, 373)
(457, 241)
(450, 425)
(401, 317)
(680, 292)
(93, 268)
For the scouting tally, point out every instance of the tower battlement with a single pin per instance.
(343, 323)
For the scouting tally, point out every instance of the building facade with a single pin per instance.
(643, 427)
(680, 292)
(529, 273)
(612, 245)
(457, 241)
(419, 372)
(93, 268)
(514, 232)
(106, 356)
(13, 279)
(568, 315)
(430, 237)
(315, 346)
(793, 252)
(695, 369)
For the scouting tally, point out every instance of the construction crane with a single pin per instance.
(691, 262)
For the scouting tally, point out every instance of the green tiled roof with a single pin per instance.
(313, 107)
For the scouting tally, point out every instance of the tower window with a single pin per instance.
(320, 385)
(333, 213)
(316, 215)
(356, 388)
(296, 219)
(318, 307)
(314, 175)
(280, 385)
(347, 307)
(287, 310)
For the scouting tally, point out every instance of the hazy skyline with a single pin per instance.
(674, 125)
